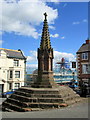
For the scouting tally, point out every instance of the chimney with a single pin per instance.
(87, 41)
(19, 49)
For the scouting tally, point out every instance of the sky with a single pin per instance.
(22, 22)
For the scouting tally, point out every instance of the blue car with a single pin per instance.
(7, 93)
(73, 86)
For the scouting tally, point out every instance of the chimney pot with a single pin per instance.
(87, 41)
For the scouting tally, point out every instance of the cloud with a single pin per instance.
(23, 16)
(1, 41)
(63, 37)
(85, 20)
(32, 65)
(32, 59)
(58, 55)
(55, 35)
(76, 23)
(79, 22)
(55, 1)
(52, 27)
(0, 32)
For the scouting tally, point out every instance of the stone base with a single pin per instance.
(29, 99)
(45, 80)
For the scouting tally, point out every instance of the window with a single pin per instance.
(85, 56)
(10, 86)
(17, 85)
(73, 64)
(86, 68)
(11, 74)
(16, 63)
(17, 74)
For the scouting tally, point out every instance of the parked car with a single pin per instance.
(6, 94)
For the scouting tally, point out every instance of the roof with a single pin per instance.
(13, 53)
(84, 48)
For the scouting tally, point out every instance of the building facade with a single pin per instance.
(12, 69)
(83, 63)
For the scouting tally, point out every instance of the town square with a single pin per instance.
(53, 79)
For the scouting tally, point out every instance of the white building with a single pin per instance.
(12, 69)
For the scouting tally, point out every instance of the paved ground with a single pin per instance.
(79, 110)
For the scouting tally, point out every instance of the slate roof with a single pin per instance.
(14, 53)
(84, 48)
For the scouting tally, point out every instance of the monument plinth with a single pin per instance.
(44, 93)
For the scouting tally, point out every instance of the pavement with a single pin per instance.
(77, 110)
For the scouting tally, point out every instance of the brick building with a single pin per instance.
(83, 63)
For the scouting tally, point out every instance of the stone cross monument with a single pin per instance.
(45, 58)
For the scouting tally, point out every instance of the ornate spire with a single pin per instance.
(45, 39)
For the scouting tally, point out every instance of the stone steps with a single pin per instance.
(23, 98)
(16, 102)
(44, 99)
(50, 100)
(31, 106)
(29, 99)
(41, 86)
(72, 101)
(71, 97)
(36, 95)
(8, 109)
(12, 107)
(44, 105)
(33, 99)
(38, 90)
(50, 94)
(28, 89)
(47, 95)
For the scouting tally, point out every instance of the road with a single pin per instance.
(79, 110)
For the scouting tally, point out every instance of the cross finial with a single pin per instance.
(45, 14)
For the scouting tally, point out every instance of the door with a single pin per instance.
(1, 89)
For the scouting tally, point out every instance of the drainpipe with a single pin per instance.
(7, 78)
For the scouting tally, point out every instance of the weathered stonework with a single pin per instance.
(45, 59)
